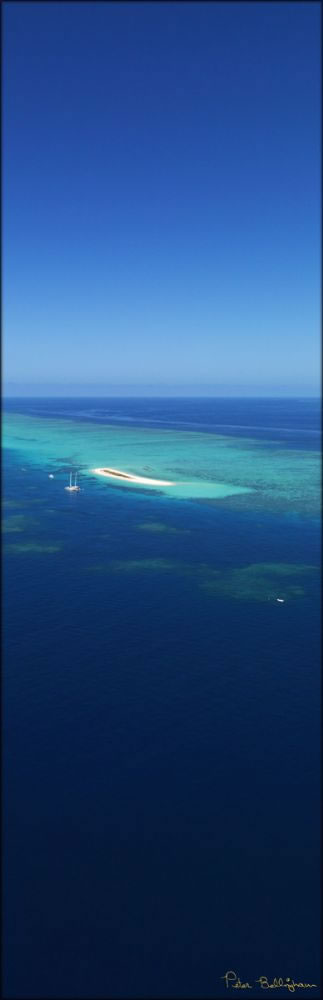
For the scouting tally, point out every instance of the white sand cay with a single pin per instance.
(118, 474)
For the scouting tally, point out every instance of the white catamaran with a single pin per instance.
(71, 488)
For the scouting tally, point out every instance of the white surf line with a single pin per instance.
(130, 478)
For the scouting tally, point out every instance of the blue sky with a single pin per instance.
(161, 189)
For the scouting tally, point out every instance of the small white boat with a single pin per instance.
(50, 476)
(280, 600)
(71, 488)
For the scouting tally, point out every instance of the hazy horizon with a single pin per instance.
(18, 391)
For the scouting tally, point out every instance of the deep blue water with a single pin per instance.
(161, 781)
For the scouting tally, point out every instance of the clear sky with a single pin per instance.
(161, 197)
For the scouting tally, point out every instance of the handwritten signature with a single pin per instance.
(231, 979)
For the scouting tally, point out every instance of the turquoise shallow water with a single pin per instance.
(246, 472)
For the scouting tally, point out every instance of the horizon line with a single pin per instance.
(172, 396)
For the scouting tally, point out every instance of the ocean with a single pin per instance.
(161, 725)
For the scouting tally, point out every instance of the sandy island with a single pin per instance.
(118, 474)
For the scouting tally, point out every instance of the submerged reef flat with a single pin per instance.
(12, 504)
(137, 566)
(159, 528)
(15, 523)
(20, 504)
(28, 548)
(12, 524)
(245, 474)
(260, 582)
